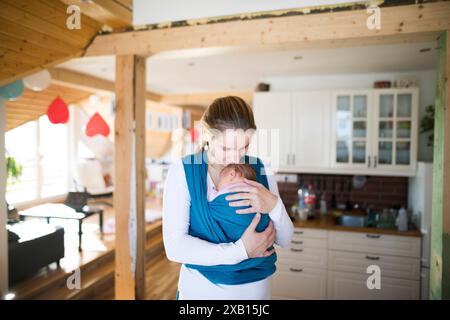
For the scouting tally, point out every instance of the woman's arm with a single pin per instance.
(179, 245)
(284, 227)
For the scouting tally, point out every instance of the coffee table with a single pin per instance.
(60, 211)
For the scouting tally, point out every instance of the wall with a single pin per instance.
(426, 80)
(378, 192)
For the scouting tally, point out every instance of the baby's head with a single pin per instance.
(233, 173)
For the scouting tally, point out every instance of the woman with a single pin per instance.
(230, 115)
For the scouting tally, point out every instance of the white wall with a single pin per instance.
(156, 11)
(3, 219)
(426, 81)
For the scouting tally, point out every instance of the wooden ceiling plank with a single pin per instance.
(19, 74)
(62, 7)
(23, 46)
(126, 3)
(57, 17)
(35, 37)
(99, 13)
(307, 31)
(14, 14)
(118, 10)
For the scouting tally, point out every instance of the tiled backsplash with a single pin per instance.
(379, 192)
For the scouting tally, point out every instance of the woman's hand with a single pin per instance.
(256, 196)
(256, 243)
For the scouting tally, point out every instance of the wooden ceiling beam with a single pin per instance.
(316, 30)
(82, 81)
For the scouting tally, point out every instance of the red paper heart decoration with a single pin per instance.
(97, 125)
(194, 134)
(57, 111)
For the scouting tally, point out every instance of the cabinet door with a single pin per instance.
(272, 143)
(351, 129)
(353, 286)
(311, 129)
(292, 281)
(395, 136)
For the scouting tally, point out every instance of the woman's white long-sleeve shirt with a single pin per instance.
(186, 249)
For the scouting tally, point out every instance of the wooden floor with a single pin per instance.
(161, 279)
(96, 263)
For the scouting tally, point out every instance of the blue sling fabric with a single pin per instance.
(218, 222)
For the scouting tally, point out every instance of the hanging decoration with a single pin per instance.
(57, 111)
(38, 81)
(12, 91)
(194, 134)
(97, 125)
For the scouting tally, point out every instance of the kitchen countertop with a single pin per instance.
(327, 223)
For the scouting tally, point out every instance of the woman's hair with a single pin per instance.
(244, 170)
(229, 112)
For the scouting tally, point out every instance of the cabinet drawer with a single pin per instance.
(353, 286)
(375, 243)
(303, 257)
(303, 242)
(290, 282)
(310, 233)
(390, 266)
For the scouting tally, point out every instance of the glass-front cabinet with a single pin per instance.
(375, 130)
(351, 129)
(395, 138)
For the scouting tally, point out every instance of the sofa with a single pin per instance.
(27, 255)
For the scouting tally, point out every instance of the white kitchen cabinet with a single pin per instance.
(311, 113)
(303, 123)
(273, 119)
(402, 246)
(351, 133)
(353, 286)
(395, 131)
(370, 132)
(322, 264)
(302, 266)
(293, 281)
(375, 131)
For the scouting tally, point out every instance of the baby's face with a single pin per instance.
(228, 176)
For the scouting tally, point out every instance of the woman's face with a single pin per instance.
(229, 146)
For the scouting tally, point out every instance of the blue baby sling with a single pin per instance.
(217, 222)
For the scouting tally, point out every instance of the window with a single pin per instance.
(42, 149)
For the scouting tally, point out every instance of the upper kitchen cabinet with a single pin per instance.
(375, 131)
(273, 118)
(302, 130)
(395, 132)
(372, 132)
(351, 130)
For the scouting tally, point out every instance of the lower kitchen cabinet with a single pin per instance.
(292, 281)
(321, 264)
(353, 286)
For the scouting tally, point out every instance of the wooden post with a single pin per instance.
(3, 233)
(129, 193)
(440, 224)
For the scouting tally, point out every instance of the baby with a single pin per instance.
(232, 176)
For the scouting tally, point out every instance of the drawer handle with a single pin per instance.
(372, 258)
(296, 242)
(298, 232)
(295, 270)
(373, 236)
(296, 250)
